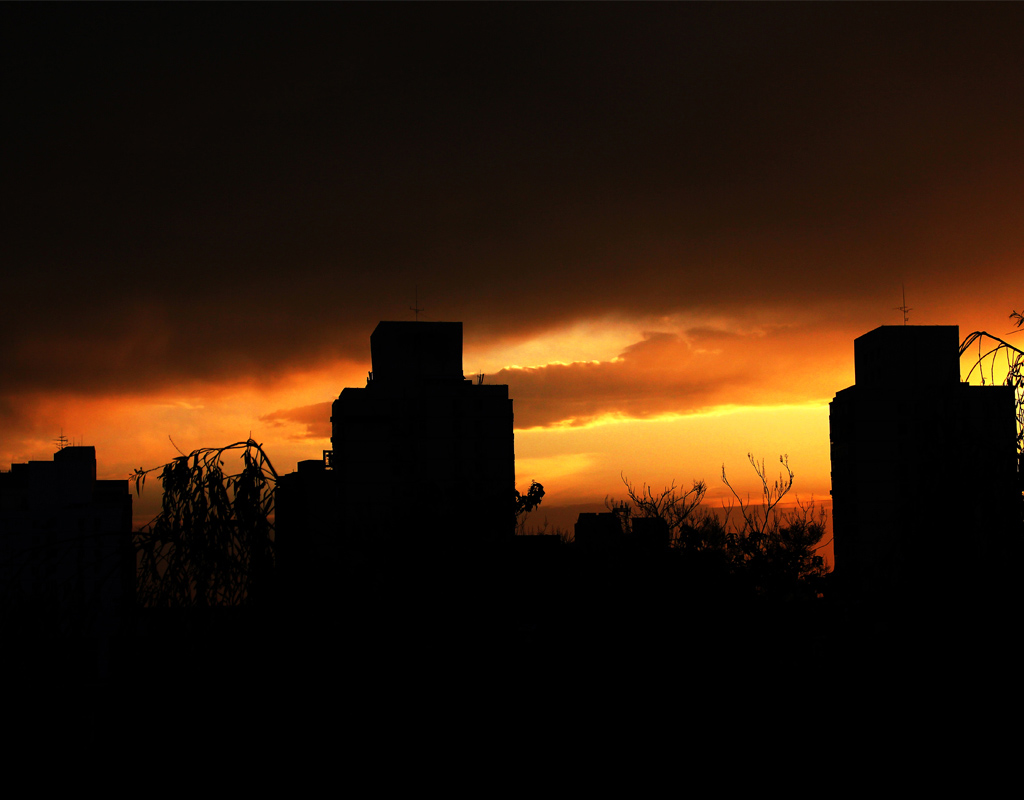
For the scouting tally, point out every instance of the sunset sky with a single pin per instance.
(662, 225)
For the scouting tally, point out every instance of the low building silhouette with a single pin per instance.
(617, 529)
(601, 530)
(924, 470)
(67, 566)
(308, 546)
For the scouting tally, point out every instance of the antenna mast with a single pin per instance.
(416, 304)
(906, 311)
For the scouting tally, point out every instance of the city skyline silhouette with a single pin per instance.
(662, 226)
(370, 541)
(661, 246)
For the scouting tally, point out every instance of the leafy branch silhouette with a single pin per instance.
(212, 544)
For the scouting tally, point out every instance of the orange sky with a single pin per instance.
(662, 225)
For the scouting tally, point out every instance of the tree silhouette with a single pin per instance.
(525, 503)
(774, 551)
(776, 548)
(690, 527)
(759, 518)
(992, 349)
(212, 544)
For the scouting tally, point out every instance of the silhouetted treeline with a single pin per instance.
(702, 599)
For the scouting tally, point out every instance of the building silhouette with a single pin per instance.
(420, 455)
(67, 566)
(421, 446)
(924, 470)
(403, 528)
(616, 529)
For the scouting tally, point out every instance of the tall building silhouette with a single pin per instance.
(420, 453)
(401, 532)
(420, 445)
(924, 470)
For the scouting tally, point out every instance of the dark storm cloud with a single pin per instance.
(201, 194)
(316, 418)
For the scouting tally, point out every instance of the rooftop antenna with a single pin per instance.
(61, 441)
(416, 304)
(906, 311)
